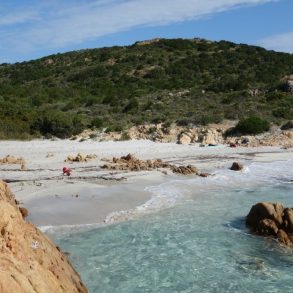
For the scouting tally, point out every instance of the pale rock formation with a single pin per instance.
(80, 158)
(184, 139)
(11, 160)
(288, 83)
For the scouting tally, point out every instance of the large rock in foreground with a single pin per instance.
(29, 261)
(272, 219)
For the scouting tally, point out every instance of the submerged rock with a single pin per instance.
(29, 261)
(272, 219)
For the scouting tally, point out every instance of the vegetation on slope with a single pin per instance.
(187, 81)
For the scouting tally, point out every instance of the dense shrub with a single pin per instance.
(252, 125)
(97, 123)
(132, 105)
(57, 124)
(143, 83)
(183, 122)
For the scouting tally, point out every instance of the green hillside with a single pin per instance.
(187, 81)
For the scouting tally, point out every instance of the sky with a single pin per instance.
(30, 29)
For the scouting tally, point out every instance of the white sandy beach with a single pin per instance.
(91, 194)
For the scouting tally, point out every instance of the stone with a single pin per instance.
(271, 219)
(236, 166)
(80, 158)
(265, 210)
(11, 160)
(267, 227)
(188, 170)
(289, 86)
(288, 220)
(23, 167)
(210, 138)
(24, 212)
(29, 261)
(184, 139)
(131, 163)
(284, 238)
(204, 174)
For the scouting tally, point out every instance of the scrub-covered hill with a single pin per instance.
(164, 80)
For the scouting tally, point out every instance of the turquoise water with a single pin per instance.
(198, 245)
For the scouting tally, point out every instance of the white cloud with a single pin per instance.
(282, 42)
(59, 24)
(17, 18)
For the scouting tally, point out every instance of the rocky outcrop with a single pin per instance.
(131, 163)
(80, 158)
(184, 139)
(185, 170)
(288, 84)
(11, 160)
(272, 219)
(29, 261)
(213, 134)
(236, 167)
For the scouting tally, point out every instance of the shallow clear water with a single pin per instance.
(199, 245)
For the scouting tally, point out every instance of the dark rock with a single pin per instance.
(271, 219)
(245, 140)
(288, 86)
(267, 227)
(265, 210)
(288, 220)
(24, 212)
(236, 166)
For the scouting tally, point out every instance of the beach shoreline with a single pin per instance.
(92, 195)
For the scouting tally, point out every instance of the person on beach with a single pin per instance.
(67, 171)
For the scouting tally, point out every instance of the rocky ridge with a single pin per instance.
(29, 261)
(212, 134)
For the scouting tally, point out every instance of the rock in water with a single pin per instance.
(236, 166)
(288, 220)
(272, 219)
(29, 261)
(265, 210)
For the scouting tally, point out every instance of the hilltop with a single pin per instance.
(159, 81)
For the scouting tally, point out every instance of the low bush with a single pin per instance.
(252, 125)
